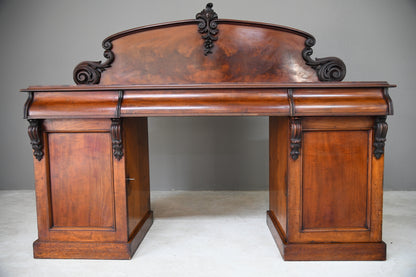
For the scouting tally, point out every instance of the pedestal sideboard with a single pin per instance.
(327, 137)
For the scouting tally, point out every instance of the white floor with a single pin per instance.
(204, 234)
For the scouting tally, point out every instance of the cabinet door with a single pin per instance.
(78, 189)
(335, 186)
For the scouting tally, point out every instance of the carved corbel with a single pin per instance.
(207, 27)
(116, 138)
(295, 137)
(35, 135)
(380, 133)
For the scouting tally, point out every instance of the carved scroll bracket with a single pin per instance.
(295, 137)
(116, 138)
(388, 101)
(28, 103)
(291, 102)
(119, 101)
(327, 69)
(207, 26)
(35, 135)
(380, 133)
(89, 72)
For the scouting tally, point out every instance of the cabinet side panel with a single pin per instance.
(82, 190)
(278, 140)
(137, 170)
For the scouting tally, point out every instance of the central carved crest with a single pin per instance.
(208, 27)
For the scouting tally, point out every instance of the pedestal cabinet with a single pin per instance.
(326, 192)
(91, 203)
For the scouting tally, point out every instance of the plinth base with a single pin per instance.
(93, 250)
(371, 251)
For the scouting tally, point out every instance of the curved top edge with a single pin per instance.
(194, 21)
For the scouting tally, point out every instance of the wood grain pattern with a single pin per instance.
(137, 170)
(42, 191)
(75, 104)
(317, 102)
(243, 53)
(376, 200)
(318, 186)
(332, 193)
(205, 100)
(81, 181)
(81, 191)
(278, 155)
(64, 131)
(335, 180)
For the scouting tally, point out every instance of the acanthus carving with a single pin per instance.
(35, 135)
(327, 69)
(116, 138)
(380, 133)
(89, 72)
(295, 137)
(207, 26)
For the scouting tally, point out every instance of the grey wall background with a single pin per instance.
(43, 40)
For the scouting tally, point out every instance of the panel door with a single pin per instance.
(79, 183)
(335, 187)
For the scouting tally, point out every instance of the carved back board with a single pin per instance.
(208, 50)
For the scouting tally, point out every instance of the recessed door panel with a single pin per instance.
(81, 180)
(335, 180)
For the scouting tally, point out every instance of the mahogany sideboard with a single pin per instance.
(90, 141)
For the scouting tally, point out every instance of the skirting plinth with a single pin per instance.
(93, 250)
(371, 251)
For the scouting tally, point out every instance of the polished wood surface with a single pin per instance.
(137, 171)
(326, 138)
(75, 104)
(83, 160)
(328, 194)
(228, 85)
(289, 99)
(323, 187)
(243, 53)
(278, 160)
(331, 251)
(79, 249)
(82, 201)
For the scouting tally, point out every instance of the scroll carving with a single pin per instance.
(35, 135)
(295, 137)
(89, 72)
(380, 133)
(328, 69)
(27, 105)
(116, 138)
(291, 102)
(388, 101)
(119, 101)
(207, 26)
